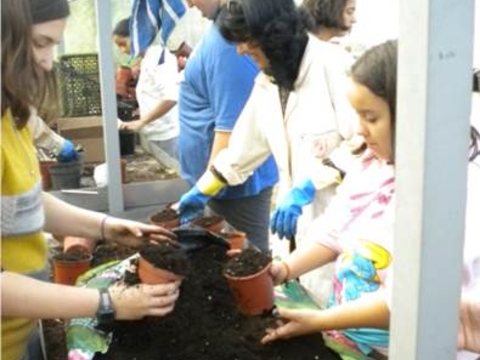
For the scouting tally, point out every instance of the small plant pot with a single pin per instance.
(45, 172)
(167, 218)
(253, 293)
(66, 175)
(236, 239)
(127, 140)
(149, 274)
(162, 263)
(214, 224)
(68, 267)
(73, 244)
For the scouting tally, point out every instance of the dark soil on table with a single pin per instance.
(205, 325)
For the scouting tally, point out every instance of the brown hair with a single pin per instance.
(24, 84)
(376, 69)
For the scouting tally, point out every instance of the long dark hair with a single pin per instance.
(277, 26)
(376, 69)
(326, 14)
(21, 79)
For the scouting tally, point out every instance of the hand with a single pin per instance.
(68, 152)
(136, 302)
(191, 205)
(131, 125)
(285, 217)
(279, 272)
(134, 233)
(299, 322)
(469, 329)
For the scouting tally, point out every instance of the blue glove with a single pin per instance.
(191, 205)
(68, 152)
(285, 217)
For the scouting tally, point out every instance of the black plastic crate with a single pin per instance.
(79, 85)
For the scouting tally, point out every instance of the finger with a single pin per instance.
(164, 301)
(280, 218)
(272, 335)
(162, 289)
(292, 226)
(161, 311)
(273, 222)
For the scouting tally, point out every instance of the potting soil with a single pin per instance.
(206, 324)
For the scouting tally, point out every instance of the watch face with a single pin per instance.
(106, 311)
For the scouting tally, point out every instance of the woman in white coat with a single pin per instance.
(297, 111)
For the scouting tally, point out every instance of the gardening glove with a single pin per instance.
(193, 202)
(68, 152)
(285, 217)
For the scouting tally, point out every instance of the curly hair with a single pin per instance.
(326, 14)
(277, 26)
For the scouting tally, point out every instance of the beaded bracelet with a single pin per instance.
(102, 228)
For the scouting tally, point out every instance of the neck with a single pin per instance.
(326, 34)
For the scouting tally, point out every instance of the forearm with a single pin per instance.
(26, 297)
(304, 260)
(157, 112)
(370, 310)
(65, 219)
(220, 142)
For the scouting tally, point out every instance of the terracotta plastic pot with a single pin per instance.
(150, 274)
(253, 294)
(72, 244)
(66, 271)
(45, 172)
(214, 224)
(236, 239)
(66, 175)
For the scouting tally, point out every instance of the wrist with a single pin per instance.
(288, 272)
(103, 236)
(209, 184)
(106, 311)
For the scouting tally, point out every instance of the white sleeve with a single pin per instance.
(247, 148)
(43, 136)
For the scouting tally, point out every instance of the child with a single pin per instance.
(357, 229)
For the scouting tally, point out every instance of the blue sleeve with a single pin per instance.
(232, 79)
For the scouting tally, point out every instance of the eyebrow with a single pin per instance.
(47, 38)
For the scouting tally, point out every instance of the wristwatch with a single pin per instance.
(106, 311)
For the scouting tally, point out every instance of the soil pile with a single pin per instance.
(206, 325)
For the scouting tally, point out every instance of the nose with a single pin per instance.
(361, 129)
(46, 61)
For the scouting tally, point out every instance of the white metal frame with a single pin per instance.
(434, 96)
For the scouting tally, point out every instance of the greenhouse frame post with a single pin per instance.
(109, 109)
(434, 97)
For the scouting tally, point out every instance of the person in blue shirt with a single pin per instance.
(217, 84)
